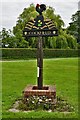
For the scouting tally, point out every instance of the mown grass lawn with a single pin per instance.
(17, 75)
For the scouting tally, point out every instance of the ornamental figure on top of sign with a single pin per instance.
(40, 19)
(40, 8)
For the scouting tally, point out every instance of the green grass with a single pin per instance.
(61, 72)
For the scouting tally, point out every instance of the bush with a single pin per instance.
(18, 53)
(24, 53)
(57, 53)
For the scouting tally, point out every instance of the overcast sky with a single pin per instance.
(11, 9)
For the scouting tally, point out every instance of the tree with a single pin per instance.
(7, 37)
(30, 13)
(15, 38)
(61, 42)
(74, 27)
(49, 13)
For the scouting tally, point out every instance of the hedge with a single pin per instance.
(24, 53)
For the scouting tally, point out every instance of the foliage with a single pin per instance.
(8, 40)
(74, 28)
(55, 18)
(24, 53)
(15, 39)
(70, 41)
(11, 41)
(30, 13)
(51, 42)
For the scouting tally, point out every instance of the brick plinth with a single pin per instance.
(49, 91)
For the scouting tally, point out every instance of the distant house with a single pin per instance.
(79, 5)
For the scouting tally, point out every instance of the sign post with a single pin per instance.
(40, 63)
(40, 27)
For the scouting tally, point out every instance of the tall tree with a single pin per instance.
(65, 40)
(8, 40)
(30, 13)
(74, 28)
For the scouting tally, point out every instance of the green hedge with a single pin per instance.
(18, 53)
(24, 53)
(60, 53)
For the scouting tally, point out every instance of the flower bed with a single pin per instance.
(43, 103)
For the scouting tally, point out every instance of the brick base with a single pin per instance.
(31, 90)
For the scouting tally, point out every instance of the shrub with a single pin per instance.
(18, 53)
(25, 53)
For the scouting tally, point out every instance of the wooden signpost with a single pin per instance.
(40, 28)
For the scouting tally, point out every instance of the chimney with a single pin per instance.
(79, 5)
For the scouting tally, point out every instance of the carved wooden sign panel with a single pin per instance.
(40, 27)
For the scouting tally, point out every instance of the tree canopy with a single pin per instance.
(74, 27)
(15, 38)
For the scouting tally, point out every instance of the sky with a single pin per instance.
(11, 9)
